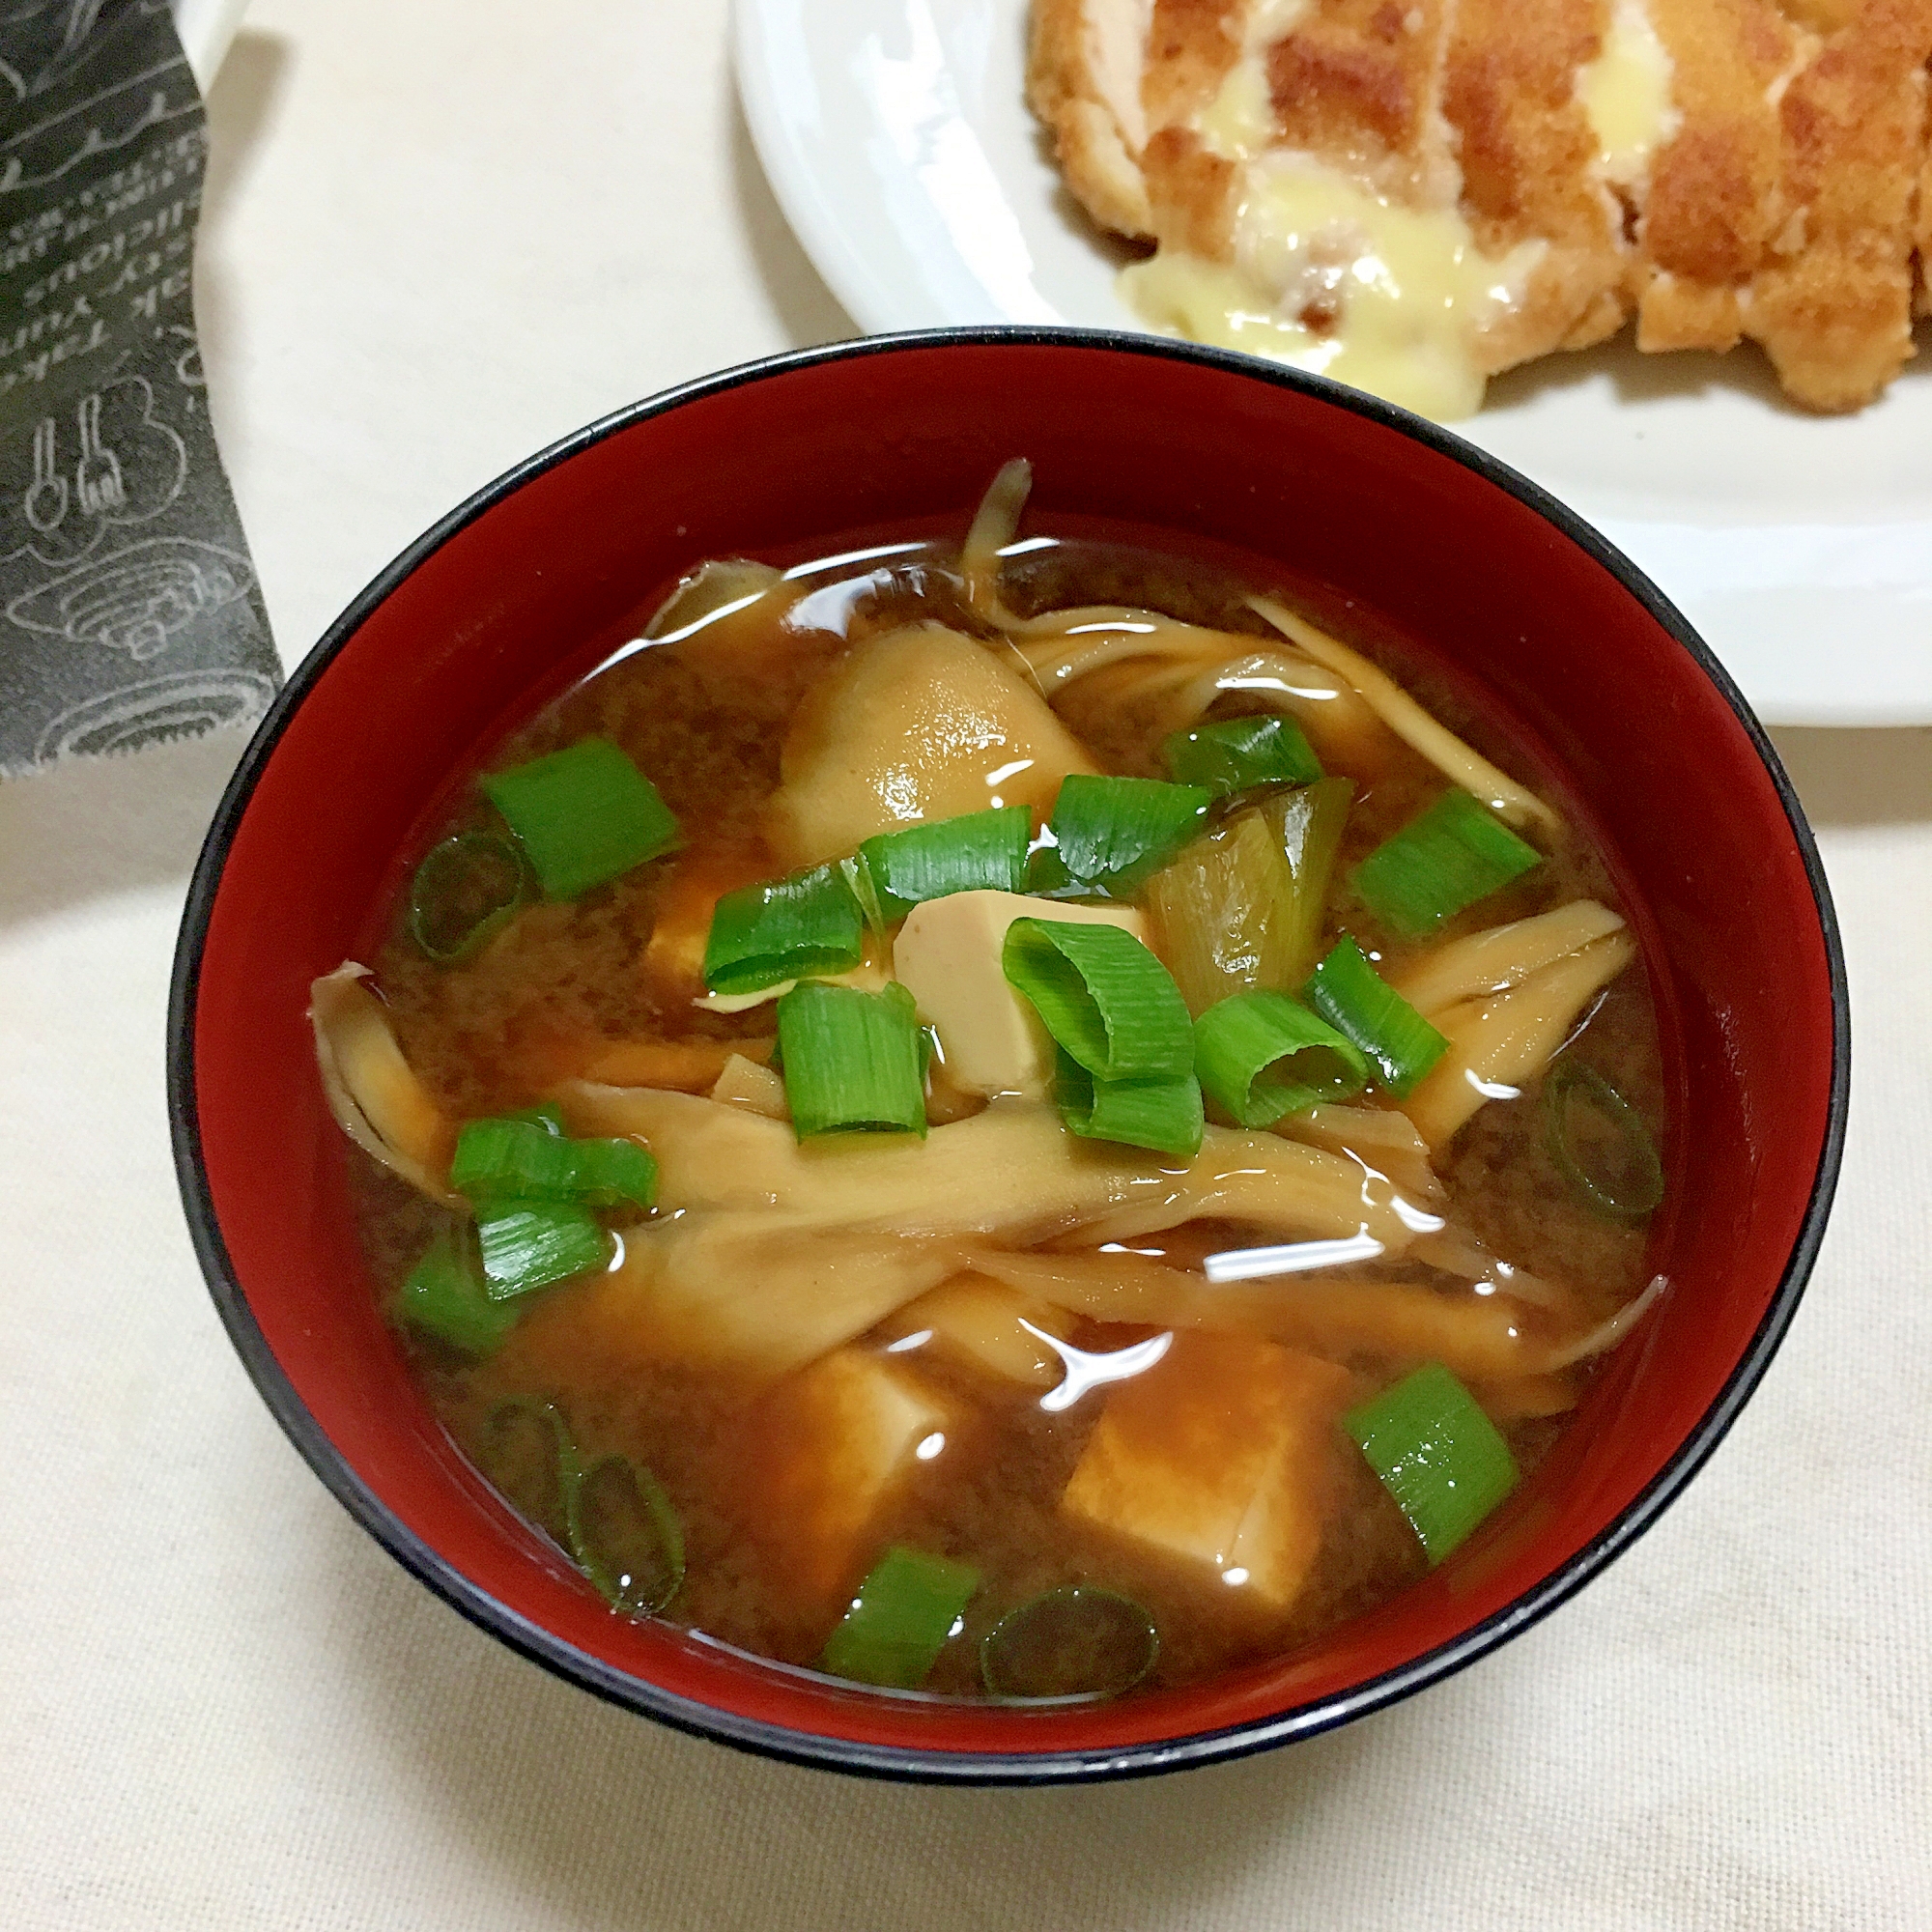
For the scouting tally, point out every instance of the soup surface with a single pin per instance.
(991, 1400)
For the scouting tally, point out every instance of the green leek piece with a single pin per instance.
(907, 1607)
(1243, 906)
(1047, 878)
(1307, 825)
(525, 1451)
(1359, 1003)
(1110, 833)
(1236, 753)
(1216, 911)
(1261, 1056)
(1456, 853)
(1076, 1642)
(783, 930)
(1164, 1114)
(443, 1296)
(1437, 1455)
(465, 890)
(528, 1160)
(1103, 996)
(627, 1536)
(851, 1060)
(978, 851)
(529, 1245)
(1600, 1143)
(584, 816)
(611, 1173)
(496, 1159)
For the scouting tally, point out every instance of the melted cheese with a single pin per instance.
(1333, 278)
(1625, 92)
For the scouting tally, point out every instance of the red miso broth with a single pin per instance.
(1002, 1118)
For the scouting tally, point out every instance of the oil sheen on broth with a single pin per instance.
(956, 1352)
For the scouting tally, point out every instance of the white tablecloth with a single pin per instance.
(439, 234)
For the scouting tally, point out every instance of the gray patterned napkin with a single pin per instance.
(129, 609)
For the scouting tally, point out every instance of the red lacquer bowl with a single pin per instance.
(1385, 523)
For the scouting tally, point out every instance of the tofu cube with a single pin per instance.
(948, 958)
(836, 1443)
(1218, 1457)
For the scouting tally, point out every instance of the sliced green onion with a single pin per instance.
(1307, 824)
(1164, 1114)
(783, 930)
(1112, 832)
(1262, 1055)
(523, 1158)
(1235, 754)
(978, 851)
(851, 1060)
(1437, 1455)
(462, 892)
(584, 816)
(525, 1451)
(1600, 1143)
(1456, 853)
(1047, 878)
(500, 1158)
(628, 1537)
(443, 1296)
(1103, 996)
(907, 1607)
(1361, 1006)
(859, 883)
(1077, 1642)
(529, 1245)
(613, 1172)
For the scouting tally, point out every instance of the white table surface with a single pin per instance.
(439, 234)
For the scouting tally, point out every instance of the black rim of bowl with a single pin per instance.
(757, 1735)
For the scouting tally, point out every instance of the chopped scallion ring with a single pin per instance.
(465, 890)
(526, 1452)
(1104, 998)
(1599, 1141)
(1164, 1114)
(978, 851)
(443, 1296)
(628, 1537)
(1110, 833)
(907, 1607)
(1359, 1003)
(851, 1060)
(526, 1159)
(1236, 753)
(1437, 1455)
(1077, 1642)
(1456, 853)
(1261, 1055)
(584, 814)
(529, 1245)
(783, 930)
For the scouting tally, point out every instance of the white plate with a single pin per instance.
(900, 147)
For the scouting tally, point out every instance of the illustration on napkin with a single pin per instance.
(128, 608)
(114, 462)
(175, 705)
(135, 600)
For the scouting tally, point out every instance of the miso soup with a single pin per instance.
(1002, 1118)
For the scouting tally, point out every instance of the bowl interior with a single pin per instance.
(1385, 530)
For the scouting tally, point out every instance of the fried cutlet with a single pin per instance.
(1527, 176)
